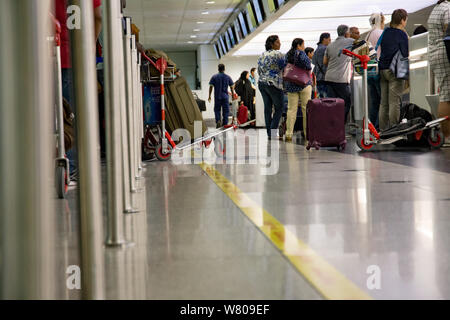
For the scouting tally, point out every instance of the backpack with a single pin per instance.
(414, 114)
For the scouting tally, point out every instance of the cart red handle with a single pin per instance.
(160, 65)
(363, 58)
(58, 30)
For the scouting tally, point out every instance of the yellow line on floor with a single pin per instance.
(328, 281)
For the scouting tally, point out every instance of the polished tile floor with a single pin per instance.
(390, 210)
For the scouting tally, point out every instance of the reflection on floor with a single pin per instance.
(389, 210)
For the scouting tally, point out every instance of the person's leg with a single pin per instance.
(225, 111)
(374, 105)
(278, 103)
(384, 103)
(331, 92)
(322, 89)
(346, 94)
(396, 89)
(267, 106)
(377, 101)
(305, 96)
(217, 110)
(291, 115)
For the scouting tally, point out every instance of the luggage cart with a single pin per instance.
(370, 137)
(164, 146)
(62, 174)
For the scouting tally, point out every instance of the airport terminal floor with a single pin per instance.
(315, 227)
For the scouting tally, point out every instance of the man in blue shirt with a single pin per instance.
(220, 82)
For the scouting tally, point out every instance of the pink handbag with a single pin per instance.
(297, 75)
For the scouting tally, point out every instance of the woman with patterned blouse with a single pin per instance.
(270, 70)
(300, 59)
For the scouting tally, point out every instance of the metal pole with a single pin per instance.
(90, 195)
(128, 206)
(366, 109)
(113, 57)
(26, 111)
(130, 118)
(140, 111)
(136, 131)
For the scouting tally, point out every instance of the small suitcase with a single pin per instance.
(325, 123)
(201, 103)
(242, 114)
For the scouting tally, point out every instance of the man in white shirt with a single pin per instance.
(339, 68)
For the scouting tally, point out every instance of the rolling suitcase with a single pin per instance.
(325, 123)
(242, 114)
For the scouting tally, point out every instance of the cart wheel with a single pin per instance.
(220, 148)
(438, 142)
(61, 186)
(163, 156)
(362, 145)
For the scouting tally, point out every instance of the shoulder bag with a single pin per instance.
(296, 75)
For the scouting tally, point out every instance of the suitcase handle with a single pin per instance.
(329, 101)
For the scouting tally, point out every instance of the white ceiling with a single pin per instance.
(169, 24)
(309, 18)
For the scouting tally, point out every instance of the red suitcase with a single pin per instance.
(325, 123)
(242, 114)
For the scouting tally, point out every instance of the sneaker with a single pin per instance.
(219, 124)
(288, 138)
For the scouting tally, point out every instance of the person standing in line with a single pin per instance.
(270, 70)
(244, 90)
(310, 53)
(354, 33)
(438, 24)
(252, 77)
(339, 71)
(220, 83)
(377, 24)
(394, 39)
(319, 68)
(297, 57)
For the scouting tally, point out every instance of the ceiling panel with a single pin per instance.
(170, 24)
(307, 19)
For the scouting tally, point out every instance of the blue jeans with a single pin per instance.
(67, 87)
(322, 89)
(343, 91)
(273, 98)
(222, 106)
(375, 100)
